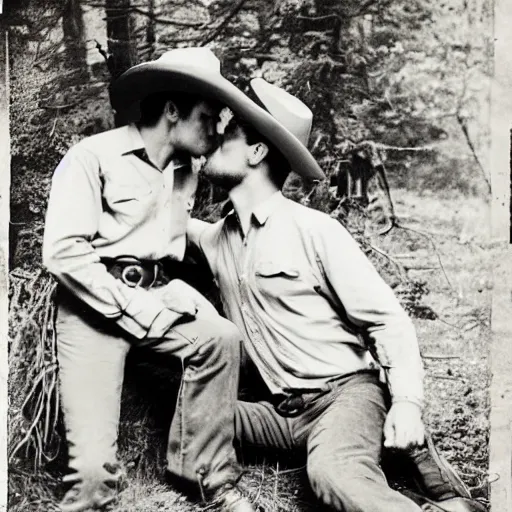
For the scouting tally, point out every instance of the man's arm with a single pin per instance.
(195, 228)
(371, 305)
(72, 219)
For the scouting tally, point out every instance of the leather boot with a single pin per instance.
(93, 490)
(434, 476)
(456, 504)
(229, 498)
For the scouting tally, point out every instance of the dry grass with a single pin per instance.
(33, 391)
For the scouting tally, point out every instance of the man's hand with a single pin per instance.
(182, 298)
(404, 427)
(178, 296)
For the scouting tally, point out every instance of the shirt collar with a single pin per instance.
(132, 140)
(262, 212)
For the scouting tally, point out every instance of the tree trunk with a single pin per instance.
(265, 14)
(150, 30)
(121, 44)
(74, 39)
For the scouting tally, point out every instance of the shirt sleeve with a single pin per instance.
(72, 219)
(373, 308)
(196, 228)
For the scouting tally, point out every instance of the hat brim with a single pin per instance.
(150, 78)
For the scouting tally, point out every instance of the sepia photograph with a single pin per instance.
(256, 255)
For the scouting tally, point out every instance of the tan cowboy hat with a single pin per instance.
(287, 123)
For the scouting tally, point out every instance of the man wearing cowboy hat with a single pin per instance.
(316, 319)
(117, 214)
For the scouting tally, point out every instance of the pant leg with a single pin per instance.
(344, 449)
(258, 424)
(200, 447)
(91, 368)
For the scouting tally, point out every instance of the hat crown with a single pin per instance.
(198, 58)
(292, 113)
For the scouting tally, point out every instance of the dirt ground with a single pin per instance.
(443, 241)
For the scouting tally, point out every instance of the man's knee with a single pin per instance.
(342, 488)
(355, 486)
(327, 485)
(222, 343)
(226, 333)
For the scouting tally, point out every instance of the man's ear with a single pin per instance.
(257, 152)
(171, 112)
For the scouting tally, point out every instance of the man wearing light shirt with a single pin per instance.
(317, 320)
(117, 214)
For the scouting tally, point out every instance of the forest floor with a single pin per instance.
(444, 240)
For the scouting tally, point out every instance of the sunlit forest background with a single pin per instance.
(400, 94)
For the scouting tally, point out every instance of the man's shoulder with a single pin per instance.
(307, 217)
(107, 142)
(209, 239)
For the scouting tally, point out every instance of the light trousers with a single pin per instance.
(342, 435)
(91, 356)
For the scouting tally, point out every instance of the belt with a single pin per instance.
(294, 402)
(137, 273)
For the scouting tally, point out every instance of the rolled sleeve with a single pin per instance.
(371, 306)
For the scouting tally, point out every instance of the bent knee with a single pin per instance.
(340, 489)
(225, 332)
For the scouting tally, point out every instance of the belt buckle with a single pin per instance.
(132, 268)
(291, 406)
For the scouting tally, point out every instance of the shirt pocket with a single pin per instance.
(279, 279)
(129, 199)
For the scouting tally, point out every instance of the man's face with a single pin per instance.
(227, 165)
(197, 133)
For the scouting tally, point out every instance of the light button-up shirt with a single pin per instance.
(308, 301)
(108, 200)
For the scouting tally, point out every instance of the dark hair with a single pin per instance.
(152, 106)
(277, 162)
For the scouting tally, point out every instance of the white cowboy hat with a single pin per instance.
(287, 122)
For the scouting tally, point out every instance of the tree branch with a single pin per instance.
(102, 52)
(209, 38)
(320, 18)
(174, 40)
(401, 269)
(465, 131)
(366, 5)
(362, 10)
(60, 107)
(164, 21)
(429, 238)
(168, 21)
